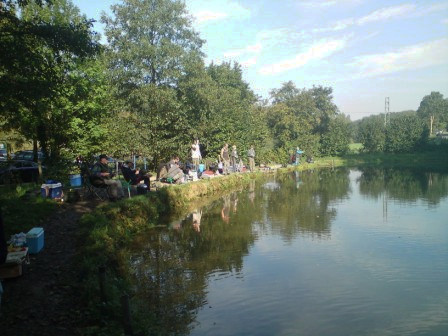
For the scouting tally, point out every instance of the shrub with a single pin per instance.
(405, 133)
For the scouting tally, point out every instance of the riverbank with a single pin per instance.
(99, 236)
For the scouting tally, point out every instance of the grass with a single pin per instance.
(355, 148)
(22, 209)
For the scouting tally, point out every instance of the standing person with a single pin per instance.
(196, 153)
(225, 158)
(299, 153)
(234, 157)
(102, 171)
(251, 156)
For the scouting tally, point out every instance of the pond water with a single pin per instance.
(325, 252)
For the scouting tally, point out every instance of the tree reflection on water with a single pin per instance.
(405, 185)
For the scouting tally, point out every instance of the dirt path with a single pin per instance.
(44, 300)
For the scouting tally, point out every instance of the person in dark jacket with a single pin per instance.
(134, 176)
(102, 171)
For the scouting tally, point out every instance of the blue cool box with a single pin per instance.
(75, 180)
(35, 240)
(53, 190)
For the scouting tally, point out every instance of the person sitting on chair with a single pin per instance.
(134, 176)
(103, 174)
(174, 171)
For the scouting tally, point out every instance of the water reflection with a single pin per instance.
(404, 185)
(306, 202)
(172, 267)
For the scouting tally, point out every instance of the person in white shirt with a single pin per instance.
(196, 153)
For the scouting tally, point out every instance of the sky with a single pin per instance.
(366, 50)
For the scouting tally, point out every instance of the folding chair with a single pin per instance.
(93, 187)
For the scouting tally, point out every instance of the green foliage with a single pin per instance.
(405, 134)
(306, 118)
(337, 138)
(371, 133)
(43, 47)
(436, 107)
(149, 42)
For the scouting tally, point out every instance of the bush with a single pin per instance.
(337, 138)
(405, 133)
(371, 134)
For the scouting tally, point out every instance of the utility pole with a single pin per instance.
(386, 110)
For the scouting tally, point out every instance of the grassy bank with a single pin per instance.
(23, 209)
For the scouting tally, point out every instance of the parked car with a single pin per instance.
(28, 155)
(3, 155)
(18, 171)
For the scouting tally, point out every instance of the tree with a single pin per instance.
(434, 110)
(405, 134)
(372, 134)
(337, 138)
(150, 41)
(323, 98)
(150, 44)
(43, 44)
(303, 118)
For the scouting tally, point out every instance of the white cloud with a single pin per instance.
(317, 51)
(204, 16)
(213, 10)
(249, 62)
(378, 15)
(409, 58)
(327, 3)
(255, 48)
(386, 13)
(437, 7)
(445, 21)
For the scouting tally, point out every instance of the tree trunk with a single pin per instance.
(431, 122)
(35, 149)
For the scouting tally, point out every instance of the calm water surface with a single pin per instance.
(330, 252)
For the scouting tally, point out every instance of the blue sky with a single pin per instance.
(365, 50)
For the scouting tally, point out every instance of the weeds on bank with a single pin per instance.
(23, 209)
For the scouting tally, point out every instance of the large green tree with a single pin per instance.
(150, 44)
(337, 137)
(44, 45)
(300, 117)
(433, 110)
(371, 133)
(405, 133)
(219, 105)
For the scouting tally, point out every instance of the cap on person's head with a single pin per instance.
(103, 156)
